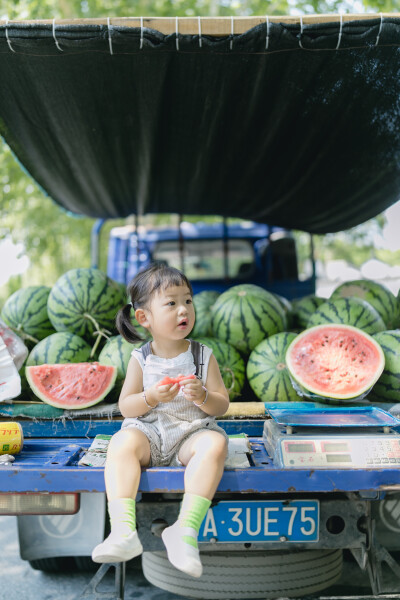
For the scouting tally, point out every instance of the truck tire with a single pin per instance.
(85, 563)
(55, 564)
(58, 564)
(230, 575)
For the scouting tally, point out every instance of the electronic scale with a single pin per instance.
(338, 438)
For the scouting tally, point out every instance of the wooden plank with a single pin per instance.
(245, 409)
(212, 26)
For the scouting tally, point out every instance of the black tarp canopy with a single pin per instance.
(291, 122)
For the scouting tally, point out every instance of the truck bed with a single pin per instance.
(49, 463)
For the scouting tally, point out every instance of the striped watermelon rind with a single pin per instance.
(243, 317)
(202, 302)
(304, 308)
(348, 311)
(83, 301)
(206, 298)
(376, 294)
(267, 372)
(25, 312)
(287, 309)
(329, 355)
(231, 365)
(117, 352)
(251, 288)
(387, 388)
(60, 347)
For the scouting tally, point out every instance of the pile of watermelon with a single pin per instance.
(340, 349)
(65, 327)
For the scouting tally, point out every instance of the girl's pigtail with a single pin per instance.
(125, 327)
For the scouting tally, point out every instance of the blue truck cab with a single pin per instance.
(214, 256)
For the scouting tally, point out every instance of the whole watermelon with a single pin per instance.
(250, 287)
(348, 311)
(25, 312)
(303, 309)
(267, 372)
(376, 294)
(124, 291)
(387, 388)
(287, 309)
(230, 364)
(203, 301)
(83, 301)
(117, 353)
(398, 310)
(61, 347)
(243, 316)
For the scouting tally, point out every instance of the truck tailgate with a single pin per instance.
(51, 465)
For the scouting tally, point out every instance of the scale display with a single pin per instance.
(347, 452)
(337, 438)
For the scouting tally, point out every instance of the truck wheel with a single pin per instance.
(55, 564)
(85, 563)
(233, 575)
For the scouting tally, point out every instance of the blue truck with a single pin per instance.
(214, 256)
(265, 513)
(232, 118)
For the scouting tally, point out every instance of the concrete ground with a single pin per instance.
(20, 582)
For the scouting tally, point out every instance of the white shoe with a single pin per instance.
(118, 549)
(182, 555)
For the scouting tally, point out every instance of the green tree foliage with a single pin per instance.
(56, 241)
(68, 9)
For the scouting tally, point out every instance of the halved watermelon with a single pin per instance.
(73, 385)
(332, 361)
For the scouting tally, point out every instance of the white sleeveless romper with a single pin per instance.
(169, 425)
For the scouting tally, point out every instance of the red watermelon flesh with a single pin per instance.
(335, 361)
(72, 385)
(172, 380)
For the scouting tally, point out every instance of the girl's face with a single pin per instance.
(170, 314)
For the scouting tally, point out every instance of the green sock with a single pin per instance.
(122, 513)
(193, 510)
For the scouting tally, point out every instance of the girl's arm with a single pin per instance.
(132, 399)
(217, 402)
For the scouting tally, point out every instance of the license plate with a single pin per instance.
(262, 521)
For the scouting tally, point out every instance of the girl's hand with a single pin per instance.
(162, 393)
(193, 390)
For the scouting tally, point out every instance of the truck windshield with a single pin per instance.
(204, 259)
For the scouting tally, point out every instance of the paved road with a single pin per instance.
(20, 582)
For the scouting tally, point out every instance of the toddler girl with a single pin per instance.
(165, 424)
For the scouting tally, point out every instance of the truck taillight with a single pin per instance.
(39, 504)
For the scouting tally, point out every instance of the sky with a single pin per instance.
(391, 232)
(13, 261)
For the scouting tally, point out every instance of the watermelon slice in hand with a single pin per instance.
(72, 385)
(172, 380)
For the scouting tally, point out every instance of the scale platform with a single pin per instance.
(338, 438)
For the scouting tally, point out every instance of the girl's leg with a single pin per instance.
(128, 451)
(204, 456)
